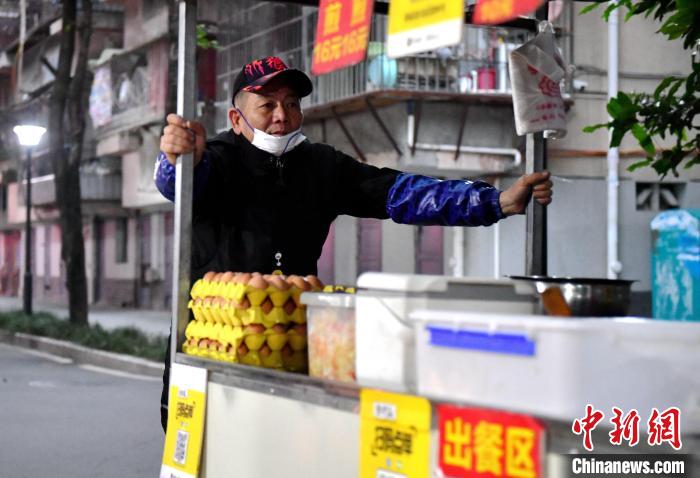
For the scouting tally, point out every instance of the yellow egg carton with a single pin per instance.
(295, 361)
(226, 304)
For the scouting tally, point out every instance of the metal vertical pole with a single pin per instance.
(536, 215)
(27, 291)
(186, 62)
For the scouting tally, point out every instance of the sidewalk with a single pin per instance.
(151, 322)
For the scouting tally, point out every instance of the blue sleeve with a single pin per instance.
(421, 200)
(164, 176)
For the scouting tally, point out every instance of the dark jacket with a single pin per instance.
(255, 206)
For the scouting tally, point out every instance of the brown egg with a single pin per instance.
(301, 283)
(287, 351)
(217, 277)
(289, 307)
(209, 276)
(207, 301)
(315, 282)
(258, 282)
(197, 302)
(279, 328)
(242, 349)
(278, 283)
(244, 277)
(256, 274)
(226, 277)
(253, 329)
(265, 351)
(243, 304)
(300, 329)
(266, 305)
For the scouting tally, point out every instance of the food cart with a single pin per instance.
(435, 356)
(426, 347)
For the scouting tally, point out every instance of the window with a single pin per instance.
(3, 198)
(121, 238)
(658, 196)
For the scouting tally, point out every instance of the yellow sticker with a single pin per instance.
(186, 413)
(394, 435)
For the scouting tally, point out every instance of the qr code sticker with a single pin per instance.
(181, 447)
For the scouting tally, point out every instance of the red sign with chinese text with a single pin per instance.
(342, 34)
(492, 12)
(480, 443)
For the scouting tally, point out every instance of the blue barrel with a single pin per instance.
(675, 265)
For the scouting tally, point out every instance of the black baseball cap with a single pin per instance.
(257, 73)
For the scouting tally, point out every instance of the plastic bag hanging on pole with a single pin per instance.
(536, 69)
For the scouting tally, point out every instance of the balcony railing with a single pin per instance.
(257, 29)
(93, 187)
(119, 97)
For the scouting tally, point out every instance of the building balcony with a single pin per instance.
(93, 187)
(475, 71)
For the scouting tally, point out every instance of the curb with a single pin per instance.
(84, 355)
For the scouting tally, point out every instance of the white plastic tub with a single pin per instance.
(385, 334)
(554, 367)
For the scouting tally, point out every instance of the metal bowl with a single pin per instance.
(586, 297)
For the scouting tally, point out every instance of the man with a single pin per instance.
(265, 197)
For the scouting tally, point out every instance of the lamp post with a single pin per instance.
(29, 136)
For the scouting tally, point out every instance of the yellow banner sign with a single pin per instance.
(186, 413)
(416, 26)
(394, 435)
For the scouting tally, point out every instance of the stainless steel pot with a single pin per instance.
(585, 297)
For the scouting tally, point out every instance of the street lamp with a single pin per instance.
(29, 136)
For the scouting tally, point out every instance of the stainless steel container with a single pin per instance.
(585, 297)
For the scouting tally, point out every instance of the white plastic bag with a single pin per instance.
(536, 68)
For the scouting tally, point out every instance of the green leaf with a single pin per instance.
(624, 99)
(644, 139)
(639, 164)
(592, 128)
(661, 167)
(609, 10)
(662, 86)
(614, 108)
(692, 162)
(589, 8)
(617, 135)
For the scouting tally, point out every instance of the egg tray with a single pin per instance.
(286, 349)
(244, 295)
(227, 312)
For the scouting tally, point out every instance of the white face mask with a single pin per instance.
(275, 145)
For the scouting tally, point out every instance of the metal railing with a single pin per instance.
(250, 30)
